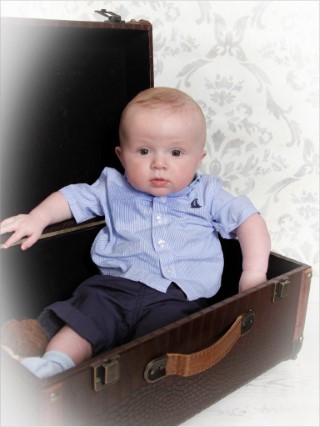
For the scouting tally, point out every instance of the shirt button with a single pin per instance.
(169, 271)
(161, 243)
(159, 218)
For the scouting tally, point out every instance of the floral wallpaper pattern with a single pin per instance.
(253, 67)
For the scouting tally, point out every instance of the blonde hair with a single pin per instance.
(164, 97)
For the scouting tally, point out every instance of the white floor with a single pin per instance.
(287, 395)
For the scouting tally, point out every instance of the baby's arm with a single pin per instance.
(53, 209)
(255, 245)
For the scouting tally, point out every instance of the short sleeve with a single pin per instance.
(229, 212)
(87, 201)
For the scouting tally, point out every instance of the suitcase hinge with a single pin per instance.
(112, 17)
(106, 374)
(281, 290)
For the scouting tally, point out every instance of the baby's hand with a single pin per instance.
(250, 278)
(29, 226)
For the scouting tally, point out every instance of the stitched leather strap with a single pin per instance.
(191, 364)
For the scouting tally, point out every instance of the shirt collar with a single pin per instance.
(185, 191)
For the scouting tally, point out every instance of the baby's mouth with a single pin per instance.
(159, 182)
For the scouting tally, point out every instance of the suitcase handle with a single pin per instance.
(186, 365)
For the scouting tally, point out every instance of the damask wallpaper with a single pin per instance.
(253, 67)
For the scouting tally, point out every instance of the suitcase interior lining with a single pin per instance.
(62, 92)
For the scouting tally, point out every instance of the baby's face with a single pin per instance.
(161, 150)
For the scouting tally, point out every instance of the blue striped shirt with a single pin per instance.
(160, 240)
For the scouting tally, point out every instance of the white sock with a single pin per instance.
(51, 363)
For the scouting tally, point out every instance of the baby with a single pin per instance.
(159, 254)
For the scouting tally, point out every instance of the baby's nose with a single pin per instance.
(158, 162)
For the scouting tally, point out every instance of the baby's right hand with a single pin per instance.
(22, 226)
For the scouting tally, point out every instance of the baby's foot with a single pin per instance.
(51, 363)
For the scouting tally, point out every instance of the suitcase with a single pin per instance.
(64, 85)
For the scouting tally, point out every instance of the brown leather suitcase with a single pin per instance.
(64, 85)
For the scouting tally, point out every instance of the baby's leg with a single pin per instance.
(65, 350)
(70, 342)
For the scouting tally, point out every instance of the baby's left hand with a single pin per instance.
(250, 278)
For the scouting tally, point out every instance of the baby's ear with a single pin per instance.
(118, 152)
(202, 156)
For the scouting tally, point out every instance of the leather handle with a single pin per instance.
(186, 365)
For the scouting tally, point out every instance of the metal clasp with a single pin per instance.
(281, 290)
(106, 374)
(247, 322)
(112, 17)
(156, 370)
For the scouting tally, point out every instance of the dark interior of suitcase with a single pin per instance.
(62, 92)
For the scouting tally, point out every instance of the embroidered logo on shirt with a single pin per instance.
(195, 204)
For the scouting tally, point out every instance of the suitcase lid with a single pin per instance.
(64, 85)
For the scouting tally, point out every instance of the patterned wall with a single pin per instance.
(253, 67)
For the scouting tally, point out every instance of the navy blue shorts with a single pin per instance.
(108, 311)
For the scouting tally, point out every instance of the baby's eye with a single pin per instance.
(176, 153)
(143, 151)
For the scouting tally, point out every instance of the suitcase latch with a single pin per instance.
(112, 17)
(281, 290)
(106, 374)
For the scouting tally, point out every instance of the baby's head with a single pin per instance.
(162, 137)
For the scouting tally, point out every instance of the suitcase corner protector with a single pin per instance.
(296, 347)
